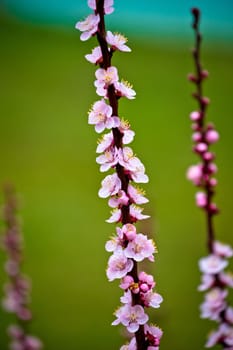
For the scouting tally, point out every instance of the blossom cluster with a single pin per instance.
(215, 282)
(17, 290)
(128, 247)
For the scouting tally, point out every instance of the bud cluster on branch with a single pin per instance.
(215, 281)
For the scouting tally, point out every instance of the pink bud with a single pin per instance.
(191, 77)
(201, 199)
(204, 73)
(12, 268)
(195, 127)
(212, 136)
(210, 126)
(205, 101)
(126, 282)
(33, 343)
(196, 137)
(128, 279)
(142, 276)
(208, 156)
(15, 331)
(212, 168)
(195, 116)
(150, 280)
(123, 198)
(201, 147)
(24, 314)
(144, 287)
(213, 209)
(213, 182)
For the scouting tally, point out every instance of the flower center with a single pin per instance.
(120, 265)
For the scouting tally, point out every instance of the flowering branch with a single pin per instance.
(17, 290)
(128, 246)
(214, 279)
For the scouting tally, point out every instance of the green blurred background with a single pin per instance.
(47, 150)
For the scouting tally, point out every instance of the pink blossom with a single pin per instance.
(95, 56)
(207, 282)
(116, 242)
(115, 216)
(214, 304)
(128, 135)
(137, 171)
(145, 279)
(131, 346)
(129, 231)
(212, 264)
(101, 116)
(32, 343)
(126, 282)
(226, 279)
(15, 331)
(229, 315)
(133, 165)
(117, 41)
(15, 302)
(137, 195)
(140, 248)
(213, 338)
(108, 9)
(105, 142)
(194, 174)
(108, 160)
(153, 335)
(16, 345)
(118, 266)
(226, 332)
(113, 244)
(151, 299)
(136, 213)
(111, 184)
(201, 199)
(9, 303)
(126, 298)
(125, 155)
(24, 314)
(89, 26)
(223, 250)
(120, 199)
(105, 77)
(131, 317)
(125, 89)
(12, 267)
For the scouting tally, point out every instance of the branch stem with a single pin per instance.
(117, 135)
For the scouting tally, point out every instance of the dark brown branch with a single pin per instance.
(201, 123)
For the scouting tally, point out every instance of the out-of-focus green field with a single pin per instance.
(47, 150)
